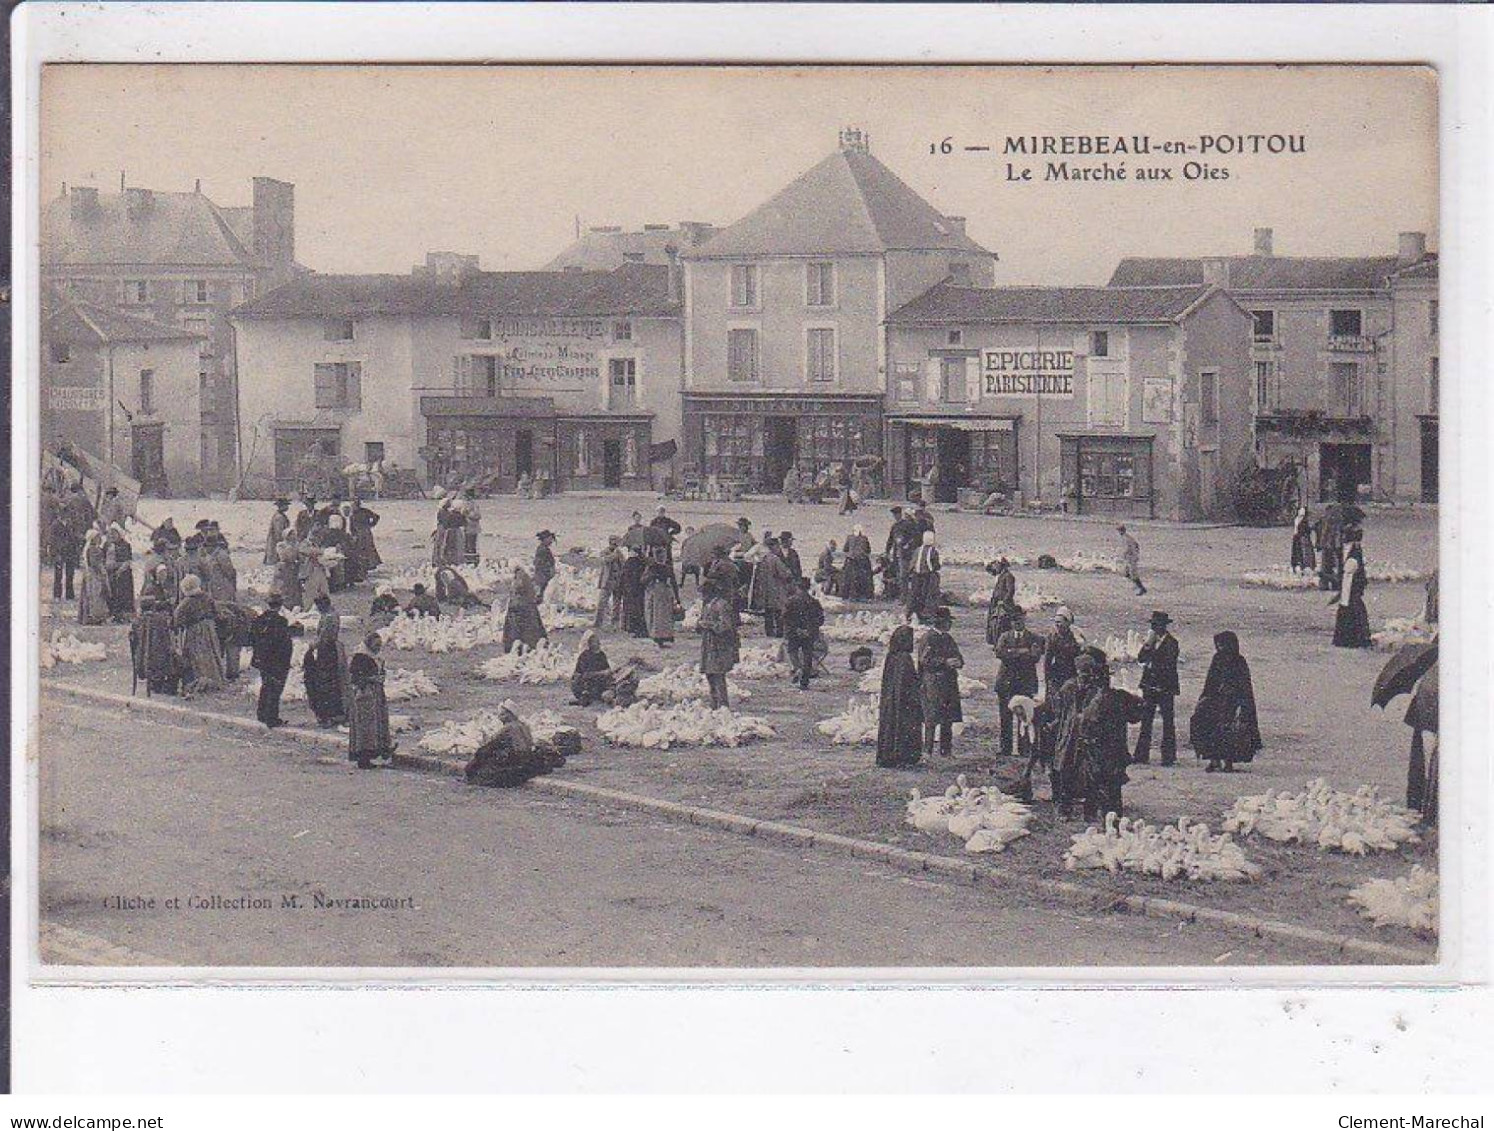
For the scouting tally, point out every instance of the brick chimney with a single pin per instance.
(1263, 241)
(83, 202)
(1412, 248)
(1216, 272)
(275, 227)
(853, 139)
(446, 267)
(956, 224)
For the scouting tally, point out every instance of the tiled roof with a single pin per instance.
(946, 303)
(605, 249)
(848, 204)
(1263, 273)
(142, 228)
(1426, 269)
(81, 322)
(636, 289)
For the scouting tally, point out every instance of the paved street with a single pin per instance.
(483, 878)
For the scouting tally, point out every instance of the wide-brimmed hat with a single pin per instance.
(543, 534)
(1160, 619)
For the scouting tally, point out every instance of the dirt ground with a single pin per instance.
(1314, 699)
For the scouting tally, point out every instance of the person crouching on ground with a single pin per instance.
(939, 664)
(369, 736)
(497, 760)
(452, 589)
(803, 617)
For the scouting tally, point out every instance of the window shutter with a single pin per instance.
(323, 386)
(972, 379)
(355, 387)
(932, 375)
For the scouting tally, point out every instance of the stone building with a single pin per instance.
(1334, 370)
(570, 377)
(176, 259)
(1125, 401)
(785, 348)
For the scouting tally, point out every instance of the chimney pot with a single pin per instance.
(1412, 249)
(1263, 241)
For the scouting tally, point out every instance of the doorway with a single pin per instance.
(1342, 470)
(780, 450)
(612, 463)
(524, 453)
(148, 457)
(954, 464)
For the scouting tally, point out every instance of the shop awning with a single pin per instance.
(961, 423)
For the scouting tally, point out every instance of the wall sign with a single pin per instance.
(1156, 400)
(1028, 373)
(75, 398)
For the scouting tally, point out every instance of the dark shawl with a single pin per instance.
(900, 710)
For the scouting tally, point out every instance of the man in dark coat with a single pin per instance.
(1159, 690)
(721, 578)
(305, 518)
(790, 556)
(1019, 651)
(1061, 652)
(79, 510)
(671, 529)
(803, 617)
(939, 664)
(67, 552)
(1102, 756)
(1003, 601)
(270, 636)
(544, 562)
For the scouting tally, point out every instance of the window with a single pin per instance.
(1434, 386)
(832, 441)
(196, 290)
(60, 352)
(204, 399)
(622, 331)
(147, 391)
(622, 382)
(373, 451)
(1432, 317)
(952, 380)
(1107, 475)
(1265, 325)
(819, 284)
(905, 373)
(744, 285)
(956, 337)
(477, 329)
(819, 357)
(1208, 397)
(1343, 389)
(741, 355)
(199, 326)
(476, 375)
(1099, 343)
(1107, 399)
(338, 330)
(1263, 383)
(136, 290)
(1345, 324)
(339, 385)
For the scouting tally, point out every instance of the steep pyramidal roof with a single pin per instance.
(143, 228)
(848, 204)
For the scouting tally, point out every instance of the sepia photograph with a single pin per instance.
(737, 518)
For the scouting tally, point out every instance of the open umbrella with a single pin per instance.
(696, 550)
(645, 536)
(1401, 672)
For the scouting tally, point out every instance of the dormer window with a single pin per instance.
(1099, 343)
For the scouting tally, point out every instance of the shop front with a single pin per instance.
(976, 455)
(1107, 474)
(754, 439)
(605, 451)
(492, 441)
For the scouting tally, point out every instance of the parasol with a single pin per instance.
(696, 550)
(1422, 713)
(1402, 670)
(645, 536)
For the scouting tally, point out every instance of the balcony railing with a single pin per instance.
(1351, 343)
(1313, 423)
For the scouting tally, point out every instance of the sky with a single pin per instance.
(390, 162)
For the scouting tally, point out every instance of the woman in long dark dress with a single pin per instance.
(630, 590)
(592, 676)
(522, 624)
(658, 606)
(194, 623)
(361, 522)
(118, 563)
(150, 648)
(325, 670)
(923, 580)
(1224, 728)
(369, 736)
(900, 710)
(1351, 626)
(1304, 557)
(856, 578)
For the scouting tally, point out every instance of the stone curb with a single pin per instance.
(794, 836)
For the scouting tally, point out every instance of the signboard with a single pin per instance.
(1156, 400)
(1028, 373)
(534, 352)
(75, 398)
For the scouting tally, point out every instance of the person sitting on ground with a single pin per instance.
(383, 610)
(594, 680)
(508, 758)
(422, 603)
(452, 589)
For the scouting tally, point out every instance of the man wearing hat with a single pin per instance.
(939, 664)
(1159, 689)
(544, 562)
(279, 524)
(1019, 650)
